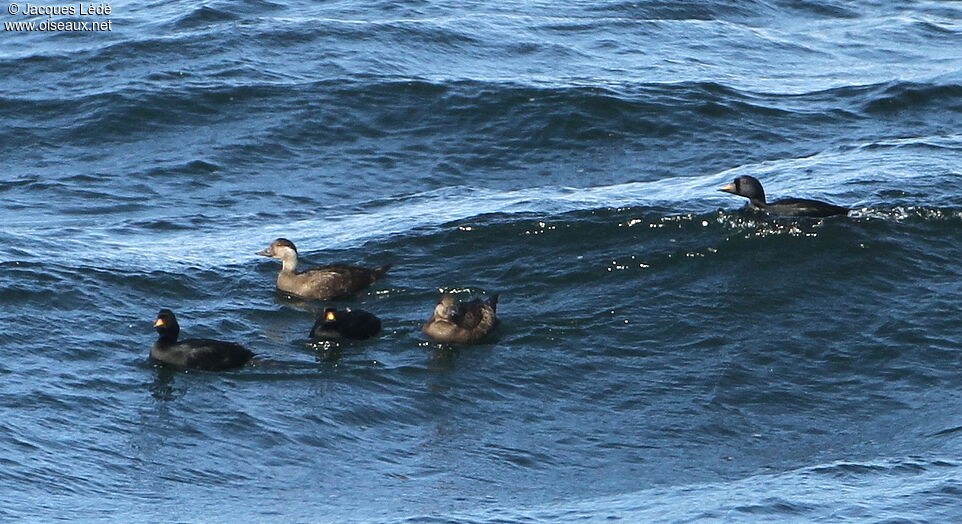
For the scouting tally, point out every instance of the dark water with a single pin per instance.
(664, 355)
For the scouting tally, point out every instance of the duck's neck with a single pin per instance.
(168, 336)
(289, 262)
(757, 198)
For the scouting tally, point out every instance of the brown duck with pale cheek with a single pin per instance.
(321, 282)
(462, 322)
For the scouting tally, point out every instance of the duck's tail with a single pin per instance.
(381, 270)
(493, 302)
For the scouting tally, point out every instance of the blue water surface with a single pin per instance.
(664, 355)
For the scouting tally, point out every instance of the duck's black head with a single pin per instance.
(166, 325)
(329, 318)
(327, 326)
(748, 187)
(277, 248)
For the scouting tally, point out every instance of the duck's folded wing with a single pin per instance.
(806, 207)
(469, 314)
(478, 315)
(216, 355)
(334, 280)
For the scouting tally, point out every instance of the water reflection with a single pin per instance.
(162, 387)
(442, 357)
(326, 350)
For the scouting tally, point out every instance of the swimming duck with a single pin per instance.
(197, 353)
(462, 322)
(321, 282)
(355, 324)
(751, 188)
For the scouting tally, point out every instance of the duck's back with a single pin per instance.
(329, 281)
(803, 207)
(202, 353)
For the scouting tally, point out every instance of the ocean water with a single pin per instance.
(664, 354)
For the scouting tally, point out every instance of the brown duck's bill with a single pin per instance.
(264, 252)
(730, 188)
(159, 322)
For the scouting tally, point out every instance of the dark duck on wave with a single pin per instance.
(751, 188)
(462, 322)
(196, 353)
(321, 282)
(355, 324)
